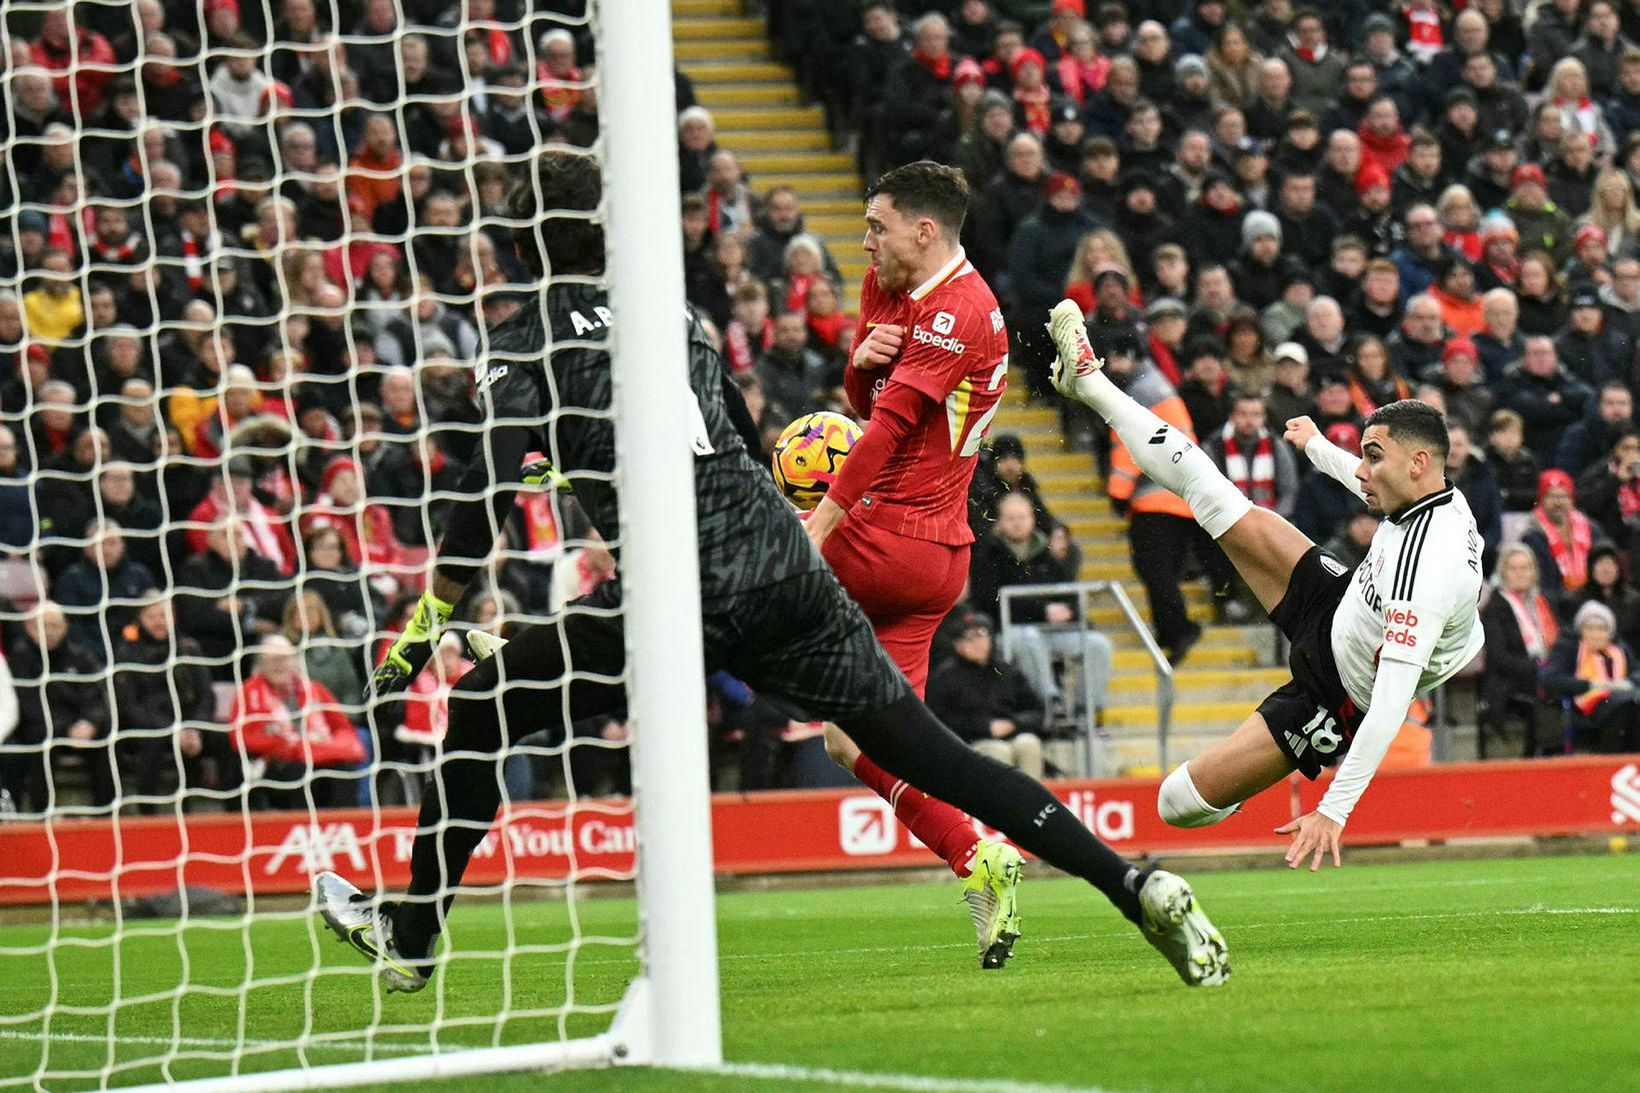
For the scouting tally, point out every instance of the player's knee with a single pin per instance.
(842, 750)
(1181, 805)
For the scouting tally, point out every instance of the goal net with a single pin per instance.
(251, 255)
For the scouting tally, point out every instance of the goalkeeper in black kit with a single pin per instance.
(771, 613)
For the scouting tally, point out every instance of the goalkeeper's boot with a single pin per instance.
(359, 921)
(1073, 355)
(1173, 922)
(991, 891)
(482, 645)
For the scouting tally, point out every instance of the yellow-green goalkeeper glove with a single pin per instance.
(541, 473)
(413, 648)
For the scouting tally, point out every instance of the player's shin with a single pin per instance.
(946, 831)
(1169, 456)
(909, 741)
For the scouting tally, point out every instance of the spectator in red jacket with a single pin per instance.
(264, 531)
(58, 51)
(366, 527)
(289, 728)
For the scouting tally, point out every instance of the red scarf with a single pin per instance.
(499, 46)
(1255, 475)
(1035, 106)
(1161, 355)
(1424, 36)
(1571, 557)
(797, 291)
(1468, 241)
(558, 95)
(1082, 80)
(1539, 629)
(831, 328)
(1388, 152)
(1599, 668)
(116, 253)
(738, 345)
(938, 67)
(1628, 499)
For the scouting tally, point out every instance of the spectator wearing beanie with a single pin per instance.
(1460, 381)
(1043, 248)
(1260, 270)
(979, 153)
(1561, 537)
(1192, 105)
(1373, 220)
(1541, 224)
(1099, 170)
(1054, 36)
(1033, 101)
(1198, 28)
(1063, 142)
(1586, 348)
(1587, 266)
(1499, 263)
(1139, 220)
(1459, 131)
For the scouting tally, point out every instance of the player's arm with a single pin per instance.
(471, 523)
(899, 408)
(1316, 834)
(1327, 457)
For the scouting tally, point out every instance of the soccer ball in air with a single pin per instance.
(809, 456)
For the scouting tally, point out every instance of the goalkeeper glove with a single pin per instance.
(412, 649)
(541, 472)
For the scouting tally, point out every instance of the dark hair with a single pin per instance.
(1411, 420)
(926, 188)
(554, 238)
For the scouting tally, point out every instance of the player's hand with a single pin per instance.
(411, 650)
(880, 347)
(1313, 835)
(820, 523)
(1300, 431)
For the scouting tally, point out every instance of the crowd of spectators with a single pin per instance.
(249, 253)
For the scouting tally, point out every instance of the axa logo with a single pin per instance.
(930, 337)
(1626, 795)
(316, 848)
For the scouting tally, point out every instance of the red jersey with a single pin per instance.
(955, 352)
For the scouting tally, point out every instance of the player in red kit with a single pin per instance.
(927, 370)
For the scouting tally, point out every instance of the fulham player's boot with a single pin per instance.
(1173, 922)
(991, 891)
(359, 921)
(1166, 454)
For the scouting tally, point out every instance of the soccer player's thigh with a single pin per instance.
(548, 675)
(1241, 766)
(1264, 548)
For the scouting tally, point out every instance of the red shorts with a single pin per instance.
(905, 586)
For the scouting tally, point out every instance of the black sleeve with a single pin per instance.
(739, 416)
(512, 405)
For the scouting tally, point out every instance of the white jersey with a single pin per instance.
(1415, 597)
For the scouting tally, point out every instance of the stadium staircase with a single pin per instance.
(760, 116)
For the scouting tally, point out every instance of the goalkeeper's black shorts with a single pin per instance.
(802, 640)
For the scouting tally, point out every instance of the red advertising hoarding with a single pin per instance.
(786, 832)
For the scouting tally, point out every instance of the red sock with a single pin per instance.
(947, 831)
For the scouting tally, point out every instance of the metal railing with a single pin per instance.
(1085, 591)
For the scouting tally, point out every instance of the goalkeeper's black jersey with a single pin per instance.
(552, 392)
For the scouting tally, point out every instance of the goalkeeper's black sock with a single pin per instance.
(910, 742)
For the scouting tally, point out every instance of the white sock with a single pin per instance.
(1180, 804)
(1168, 456)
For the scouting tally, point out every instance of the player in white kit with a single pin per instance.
(1364, 644)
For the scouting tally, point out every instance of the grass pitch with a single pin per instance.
(1503, 975)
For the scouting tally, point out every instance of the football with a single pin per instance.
(809, 456)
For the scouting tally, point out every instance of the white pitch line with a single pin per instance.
(209, 1042)
(866, 1079)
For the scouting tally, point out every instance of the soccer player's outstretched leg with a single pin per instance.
(1363, 643)
(771, 612)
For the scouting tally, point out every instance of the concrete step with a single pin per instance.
(759, 163)
(831, 185)
(725, 50)
(703, 72)
(1203, 655)
(835, 206)
(715, 25)
(739, 119)
(1185, 715)
(1111, 619)
(773, 140)
(1193, 687)
(699, 8)
(1084, 506)
(1106, 526)
(746, 92)
(1051, 462)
